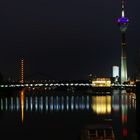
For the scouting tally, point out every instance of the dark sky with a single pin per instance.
(65, 39)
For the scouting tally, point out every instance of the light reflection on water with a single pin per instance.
(116, 105)
(44, 103)
(101, 104)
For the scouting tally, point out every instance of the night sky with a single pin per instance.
(65, 39)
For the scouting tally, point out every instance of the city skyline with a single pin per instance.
(65, 39)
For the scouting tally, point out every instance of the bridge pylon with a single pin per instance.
(22, 70)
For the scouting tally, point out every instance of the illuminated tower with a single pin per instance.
(123, 23)
(22, 71)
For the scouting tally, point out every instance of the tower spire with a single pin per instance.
(123, 8)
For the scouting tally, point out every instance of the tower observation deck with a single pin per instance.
(123, 24)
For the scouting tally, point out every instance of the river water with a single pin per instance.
(62, 115)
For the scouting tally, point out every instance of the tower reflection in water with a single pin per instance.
(123, 106)
(102, 105)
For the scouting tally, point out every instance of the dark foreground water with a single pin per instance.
(63, 116)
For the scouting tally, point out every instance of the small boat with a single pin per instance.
(98, 132)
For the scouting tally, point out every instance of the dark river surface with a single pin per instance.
(62, 115)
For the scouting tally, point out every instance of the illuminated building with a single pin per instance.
(115, 71)
(22, 71)
(123, 23)
(115, 74)
(101, 82)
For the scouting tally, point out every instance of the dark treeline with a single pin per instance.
(138, 64)
(1, 77)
